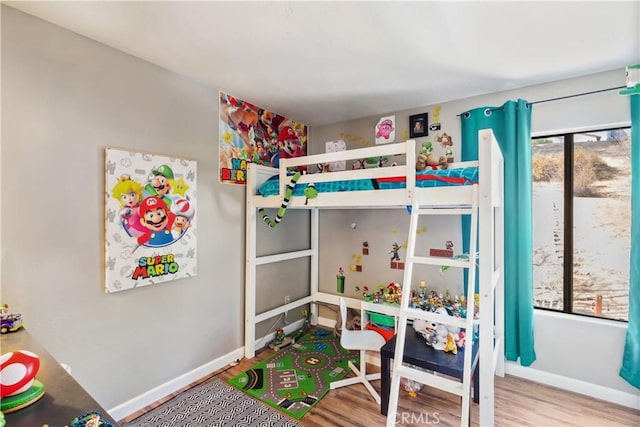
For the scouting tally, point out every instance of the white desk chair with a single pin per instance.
(362, 340)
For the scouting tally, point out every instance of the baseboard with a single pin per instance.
(570, 384)
(163, 390)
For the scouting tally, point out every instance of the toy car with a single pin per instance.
(10, 322)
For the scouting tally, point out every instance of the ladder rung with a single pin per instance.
(452, 386)
(435, 260)
(415, 313)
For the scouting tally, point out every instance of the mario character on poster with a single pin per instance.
(250, 134)
(150, 219)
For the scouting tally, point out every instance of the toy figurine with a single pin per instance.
(19, 387)
(280, 340)
(9, 322)
(460, 339)
(450, 345)
(94, 421)
(90, 419)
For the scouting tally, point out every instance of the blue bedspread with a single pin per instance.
(426, 178)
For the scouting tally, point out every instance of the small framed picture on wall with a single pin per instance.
(418, 125)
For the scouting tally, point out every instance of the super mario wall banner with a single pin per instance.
(250, 134)
(150, 219)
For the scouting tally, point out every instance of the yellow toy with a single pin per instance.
(451, 346)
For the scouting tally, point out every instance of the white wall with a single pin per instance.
(64, 99)
(577, 353)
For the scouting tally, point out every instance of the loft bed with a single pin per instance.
(391, 186)
(385, 187)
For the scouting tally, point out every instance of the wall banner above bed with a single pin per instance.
(250, 134)
(150, 219)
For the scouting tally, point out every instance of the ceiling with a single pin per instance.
(326, 62)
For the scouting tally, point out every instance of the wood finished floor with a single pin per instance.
(519, 403)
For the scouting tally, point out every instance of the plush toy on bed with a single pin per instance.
(430, 162)
(426, 159)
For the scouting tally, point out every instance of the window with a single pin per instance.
(582, 222)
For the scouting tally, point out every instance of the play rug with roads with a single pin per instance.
(294, 379)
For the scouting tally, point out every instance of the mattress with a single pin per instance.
(424, 179)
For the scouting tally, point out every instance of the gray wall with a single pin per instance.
(567, 347)
(64, 99)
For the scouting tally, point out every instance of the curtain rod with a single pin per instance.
(570, 96)
(577, 94)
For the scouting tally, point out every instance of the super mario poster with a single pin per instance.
(150, 219)
(250, 134)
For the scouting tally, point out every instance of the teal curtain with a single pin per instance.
(630, 370)
(511, 125)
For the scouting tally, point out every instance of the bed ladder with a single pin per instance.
(462, 389)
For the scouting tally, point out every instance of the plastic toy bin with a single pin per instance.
(382, 319)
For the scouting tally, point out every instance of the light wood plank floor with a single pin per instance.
(519, 403)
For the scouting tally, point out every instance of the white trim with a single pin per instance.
(137, 403)
(570, 384)
(600, 321)
(163, 390)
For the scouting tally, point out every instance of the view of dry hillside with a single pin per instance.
(602, 223)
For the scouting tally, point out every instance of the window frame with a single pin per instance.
(568, 217)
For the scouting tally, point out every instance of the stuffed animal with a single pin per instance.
(426, 159)
(430, 162)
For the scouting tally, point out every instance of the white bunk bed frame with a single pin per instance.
(487, 194)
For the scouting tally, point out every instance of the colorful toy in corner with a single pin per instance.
(18, 386)
(281, 340)
(9, 322)
(90, 419)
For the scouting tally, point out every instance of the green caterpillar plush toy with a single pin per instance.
(310, 193)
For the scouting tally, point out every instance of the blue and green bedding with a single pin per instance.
(424, 179)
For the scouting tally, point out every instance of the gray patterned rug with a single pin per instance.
(213, 403)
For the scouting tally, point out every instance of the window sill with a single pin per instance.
(580, 319)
